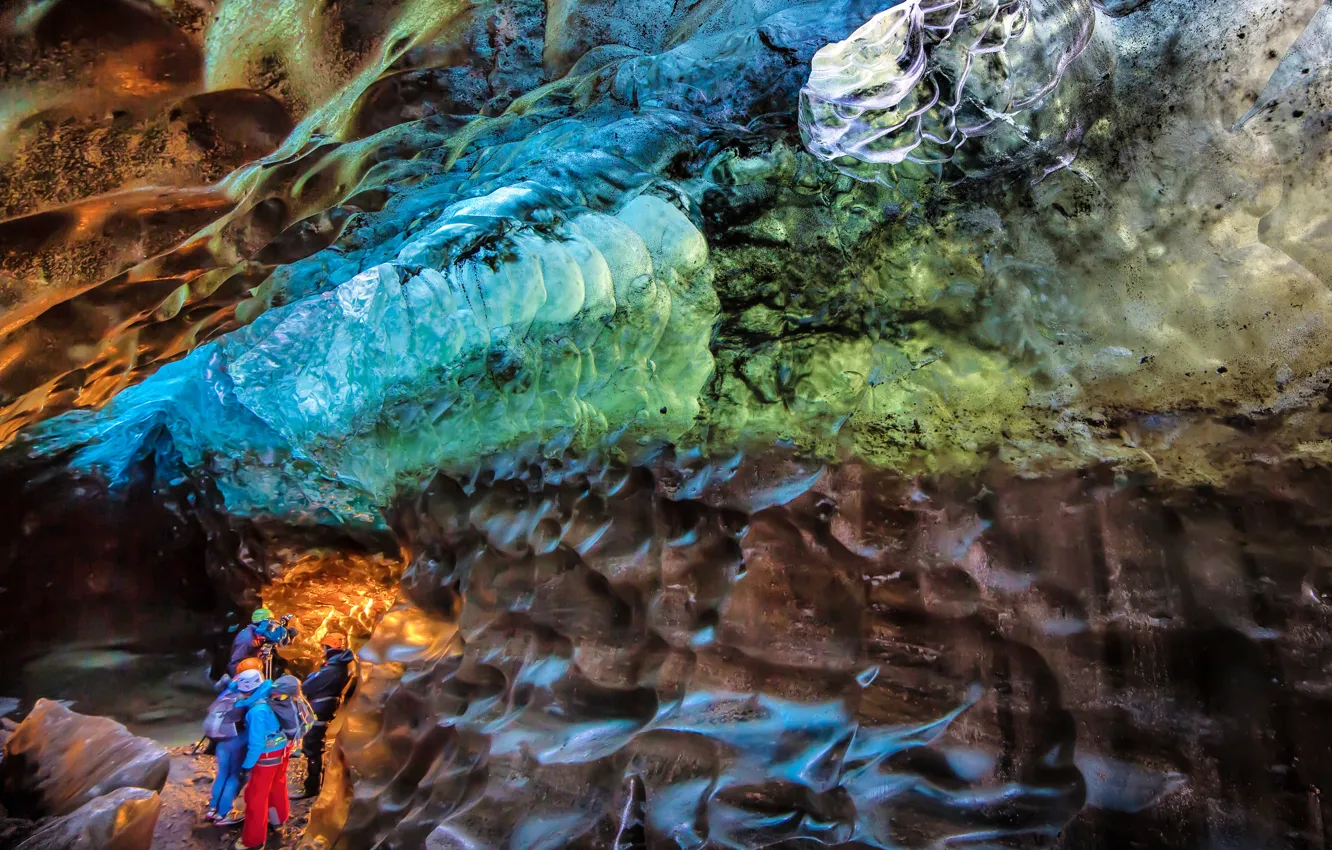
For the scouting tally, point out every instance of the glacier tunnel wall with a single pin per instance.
(150, 564)
(80, 564)
(787, 656)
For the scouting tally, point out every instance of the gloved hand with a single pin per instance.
(244, 775)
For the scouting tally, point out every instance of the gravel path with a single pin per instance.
(181, 825)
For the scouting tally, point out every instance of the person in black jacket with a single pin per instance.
(325, 689)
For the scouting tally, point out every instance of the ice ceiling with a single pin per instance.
(333, 248)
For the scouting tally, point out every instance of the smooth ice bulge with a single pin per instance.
(574, 326)
(483, 334)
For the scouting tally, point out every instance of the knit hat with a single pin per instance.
(249, 681)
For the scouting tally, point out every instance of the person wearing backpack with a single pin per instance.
(263, 633)
(325, 689)
(224, 726)
(295, 715)
(267, 750)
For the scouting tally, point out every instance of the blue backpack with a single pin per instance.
(293, 710)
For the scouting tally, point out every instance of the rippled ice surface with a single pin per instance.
(785, 656)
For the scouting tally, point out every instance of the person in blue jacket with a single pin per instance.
(263, 631)
(231, 751)
(267, 752)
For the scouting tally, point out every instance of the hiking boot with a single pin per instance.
(230, 820)
(241, 845)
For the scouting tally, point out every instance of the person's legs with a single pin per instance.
(234, 749)
(256, 803)
(219, 781)
(279, 808)
(313, 745)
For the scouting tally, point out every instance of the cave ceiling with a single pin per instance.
(332, 248)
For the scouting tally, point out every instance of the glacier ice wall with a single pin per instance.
(1098, 236)
(737, 329)
(773, 652)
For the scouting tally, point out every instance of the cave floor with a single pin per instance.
(181, 825)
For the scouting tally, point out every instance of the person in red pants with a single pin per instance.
(266, 799)
(266, 756)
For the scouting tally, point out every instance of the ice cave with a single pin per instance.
(665, 425)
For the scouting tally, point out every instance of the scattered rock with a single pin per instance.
(121, 820)
(14, 830)
(58, 760)
(1121, 8)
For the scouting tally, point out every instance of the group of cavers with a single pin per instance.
(257, 724)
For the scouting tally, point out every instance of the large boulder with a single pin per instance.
(121, 820)
(57, 760)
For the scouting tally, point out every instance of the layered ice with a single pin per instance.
(484, 333)
(643, 248)
(923, 77)
(569, 329)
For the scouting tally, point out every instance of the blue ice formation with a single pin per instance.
(483, 334)
(550, 286)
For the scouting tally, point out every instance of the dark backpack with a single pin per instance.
(293, 710)
(225, 717)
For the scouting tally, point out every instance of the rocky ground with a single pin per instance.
(181, 825)
(159, 696)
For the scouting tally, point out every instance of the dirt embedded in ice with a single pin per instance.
(777, 652)
(1160, 305)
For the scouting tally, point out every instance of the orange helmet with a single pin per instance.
(335, 640)
(249, 664)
